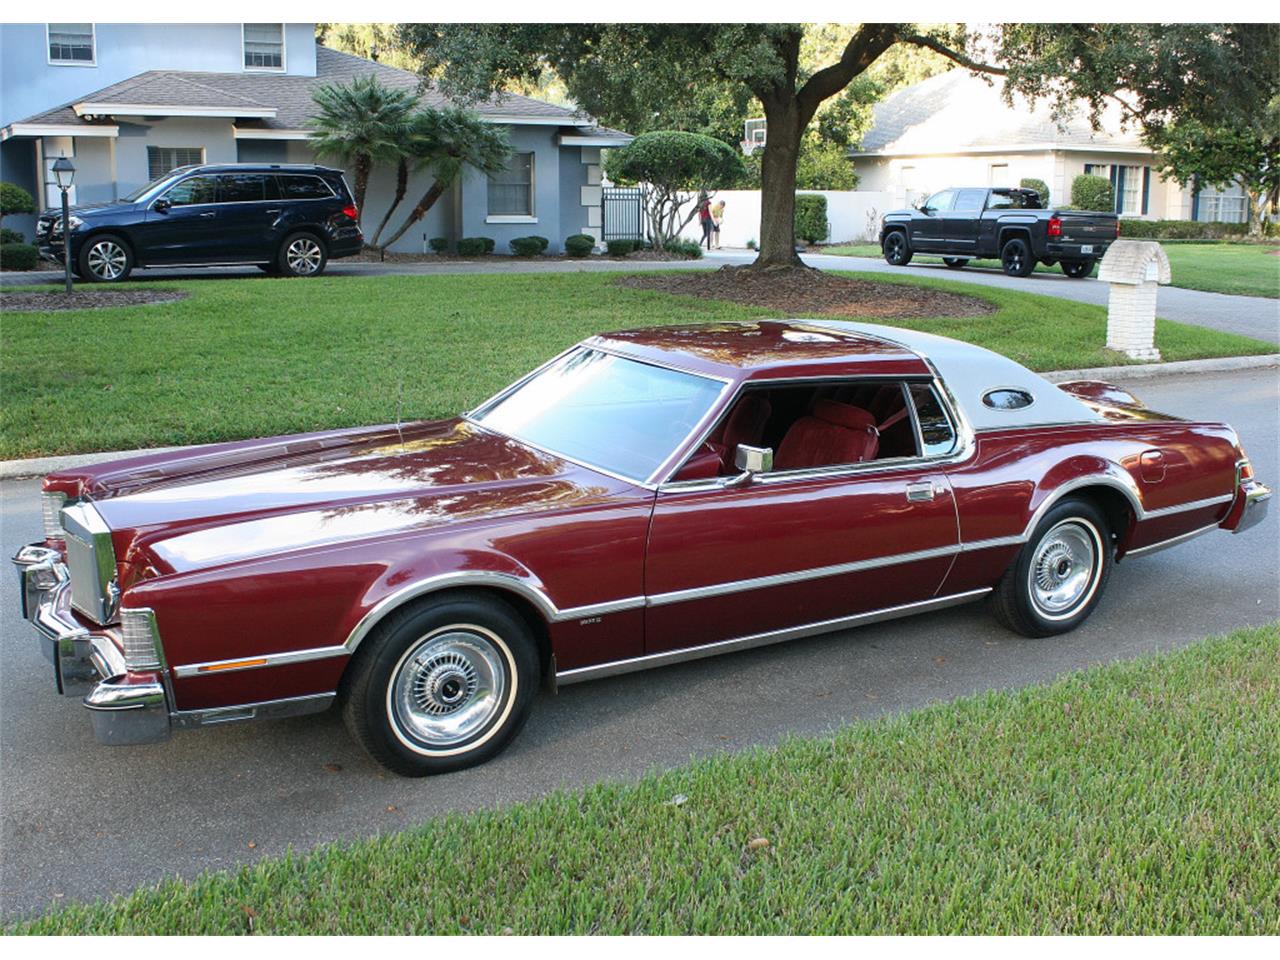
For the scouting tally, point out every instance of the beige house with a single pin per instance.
(955, 130)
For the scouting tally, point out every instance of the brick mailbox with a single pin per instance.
(1134, 269)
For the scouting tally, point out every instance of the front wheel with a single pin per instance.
(104, 259)
(1060, 574)
(896, 249)
(302, 255)
(1015, 257)
(1075, 269)
(441, 685)
(955, 263)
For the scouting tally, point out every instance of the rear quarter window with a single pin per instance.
(937, 433)
(303, 187)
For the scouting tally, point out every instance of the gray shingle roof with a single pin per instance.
(290, 96)
(955, 111)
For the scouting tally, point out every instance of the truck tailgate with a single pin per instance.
(1087, 226)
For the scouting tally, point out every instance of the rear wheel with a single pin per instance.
(1015, 257)
(105, 258)
(896, 249)
(1060, 574)
(302, 255)
(441, 685)
(1075, 269)
(955, 263)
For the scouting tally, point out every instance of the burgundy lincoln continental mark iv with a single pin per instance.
(646, 497)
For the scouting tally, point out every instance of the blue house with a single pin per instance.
(129, 102)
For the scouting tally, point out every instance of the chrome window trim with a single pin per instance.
(615, 667)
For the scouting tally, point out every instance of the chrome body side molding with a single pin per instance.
(1171, 542)
(597, 671)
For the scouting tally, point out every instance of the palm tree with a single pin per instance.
(361, 124)
(444, 142)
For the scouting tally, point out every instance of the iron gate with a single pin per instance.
(623, 214)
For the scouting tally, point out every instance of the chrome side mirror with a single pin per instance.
(751, 461)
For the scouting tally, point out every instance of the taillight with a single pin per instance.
(1055, 226)
(351, 211)
(1244, 472)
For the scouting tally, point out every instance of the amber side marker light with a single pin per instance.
(233, 665)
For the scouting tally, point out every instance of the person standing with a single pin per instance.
(704, 219)
(717, 218)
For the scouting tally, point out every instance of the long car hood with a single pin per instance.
(239, 501)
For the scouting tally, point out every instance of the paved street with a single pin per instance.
(1253, 316)
(81, 821)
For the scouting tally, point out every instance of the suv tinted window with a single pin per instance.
(191, 191)
(241, 187)
(936, 431)
(297, 187)
(970, 201)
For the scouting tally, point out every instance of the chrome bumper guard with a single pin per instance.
(1257, 500)
(125, 710)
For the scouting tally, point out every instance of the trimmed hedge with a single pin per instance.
(527, 246)
(11, 236)
(579, 245)
(13, 199)
(690, 249)
(18, 256)
(474, 246)
(1039, 186)
(811, 217)
(621, 248)
(1092, 193)
(1180, 230)
(438, 244)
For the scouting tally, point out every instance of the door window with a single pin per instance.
(242, 188)
(192, 191)
(969, 201)
(940, 202)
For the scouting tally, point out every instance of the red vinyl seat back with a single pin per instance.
(833, 433)
(745, 423)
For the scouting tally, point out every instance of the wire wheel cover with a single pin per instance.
(447, 687)
(1065, 568)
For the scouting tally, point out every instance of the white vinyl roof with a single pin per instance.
(970, 371)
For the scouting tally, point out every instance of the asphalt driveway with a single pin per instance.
(1252, 316)
(82, 821)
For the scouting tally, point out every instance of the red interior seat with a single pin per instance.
(834, 433)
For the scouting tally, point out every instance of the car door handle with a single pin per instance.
(208, 215)
(272, 210)
(923, 490)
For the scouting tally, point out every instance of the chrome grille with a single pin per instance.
(91, 562)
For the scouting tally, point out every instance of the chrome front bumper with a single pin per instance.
(125, 708)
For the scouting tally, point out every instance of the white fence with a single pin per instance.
(854, 215)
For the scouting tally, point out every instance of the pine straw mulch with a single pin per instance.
(16, 301)
(804, 291)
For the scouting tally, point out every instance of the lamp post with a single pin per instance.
(65, 172)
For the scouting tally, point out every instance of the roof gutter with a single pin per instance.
(58, 130)
(90, 108)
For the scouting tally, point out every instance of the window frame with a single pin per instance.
(284, 53)
(93, 48)
(532, 215)
(959, 450)
(154, 146)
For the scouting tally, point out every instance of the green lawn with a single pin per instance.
(1134, 798)
(256, 357)
(1249, 269)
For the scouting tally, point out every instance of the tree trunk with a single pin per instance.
(419, 211)
(402, 187)
(778, 183)
(1257, 212)
(364, 166)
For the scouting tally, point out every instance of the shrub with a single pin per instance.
(438, 244)
(1092, 193)
(13, 199)
(751, 244)
(543, 243)
(811, 217)
(689, 249)
(489, 244)
(18, 256)
(579, 244)
(1039, 186)
(1180, 230)
(11, 236)
(620, 248)
(474, 246)
(526, 246)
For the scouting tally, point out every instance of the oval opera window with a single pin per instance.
(1007, 398)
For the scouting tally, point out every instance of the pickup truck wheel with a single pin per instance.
(1075, 269)
(302, 255)
(105, 258)
(441, 685)
(955, 263)
(896, 249)
(1060, 574)
(1016, 258)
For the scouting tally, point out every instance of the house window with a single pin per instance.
(1228, 205)
(1130, 198)
(71, 43)
(999, 175)
(161, 160)
(264, 46)
(511, 191)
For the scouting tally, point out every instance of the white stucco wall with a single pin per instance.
(853, 215)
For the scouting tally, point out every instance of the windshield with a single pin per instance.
(623, 416)
(153, 185)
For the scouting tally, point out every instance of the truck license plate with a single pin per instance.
(1086, 248)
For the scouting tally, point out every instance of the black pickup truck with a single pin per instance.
(1010, 225)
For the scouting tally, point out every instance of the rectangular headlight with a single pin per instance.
(51, 505)
(142, 650)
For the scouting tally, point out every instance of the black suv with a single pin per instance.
(285, 218)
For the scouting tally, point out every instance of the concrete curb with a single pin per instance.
(39, 466)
